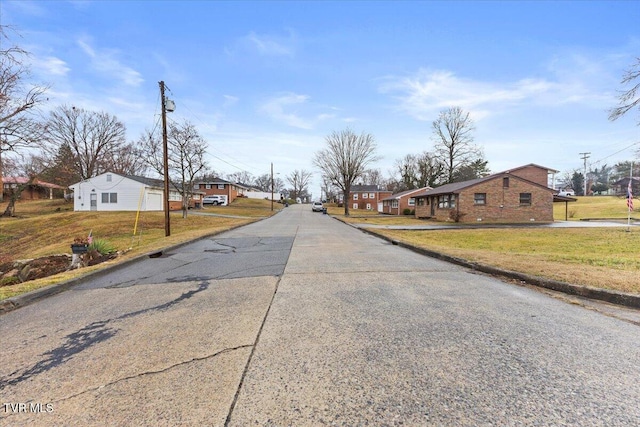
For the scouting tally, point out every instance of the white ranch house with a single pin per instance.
(113, 192)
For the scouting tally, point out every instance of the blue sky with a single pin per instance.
(266, 82)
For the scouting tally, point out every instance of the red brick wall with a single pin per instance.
(502, 204)
(362, 202)
(532, 173)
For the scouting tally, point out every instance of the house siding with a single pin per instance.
(131, 194)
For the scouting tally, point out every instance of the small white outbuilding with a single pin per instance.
(113, 192)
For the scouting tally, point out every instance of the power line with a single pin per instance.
(208, 126)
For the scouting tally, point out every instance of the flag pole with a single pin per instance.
(629, 198)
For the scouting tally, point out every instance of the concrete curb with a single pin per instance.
(22, 300)
(613, 297)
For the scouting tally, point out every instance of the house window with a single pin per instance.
(355, 206)
(364, 195)
(368, 206)
(394, 204)
(355, 196)
(480, 199)
(525, 199)
(447, 201)
(505, 182)
(372, 195)
(412, 201)
(196, 186)
(421, 202)
(109, 197)
(109, 177)
(220, 186)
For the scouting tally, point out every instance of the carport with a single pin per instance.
(566, 200)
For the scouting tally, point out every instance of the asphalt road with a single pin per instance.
(300, 320)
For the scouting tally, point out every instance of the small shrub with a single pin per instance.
(456, 215)
(406, 211)
(572, 214)
(102, 247)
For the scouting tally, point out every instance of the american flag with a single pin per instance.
(629, 196)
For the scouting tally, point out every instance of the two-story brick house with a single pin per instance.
(221, 187)
(516, 195)
(367, 197)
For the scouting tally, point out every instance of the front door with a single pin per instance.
(94, 202)
(433, 206)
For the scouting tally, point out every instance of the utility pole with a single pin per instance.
(584, 157)
(271, 186)
(167, 225)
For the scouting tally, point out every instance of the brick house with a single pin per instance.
(367, 197)
(516, 195)
(35, 190)
(397, 203)
(221, 187)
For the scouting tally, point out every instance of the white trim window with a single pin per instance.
(355, 206)
(411, 202)
(355, 196)
(368, 206)
(220, 186)
(372, 195)
(394, 204)
(365, 196)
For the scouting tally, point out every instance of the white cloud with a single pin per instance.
(266, 44)
(49, 66)
(275, 108)
(106, 62)
(423, 94)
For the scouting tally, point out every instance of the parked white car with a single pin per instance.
(317, 207)
(214, 200)
(567, 193)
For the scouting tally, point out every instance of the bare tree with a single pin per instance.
(372, 177)
(19, 128)
(263, 182)
(127, 159)
(417, 171)
(406, 172)
(242, 177)
(453, 140)
(186, 151)
(630, 98)
(94, 138)
(345, 159)
(299, 180)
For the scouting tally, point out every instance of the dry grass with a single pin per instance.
(592, 207)
(599, 257)
(43, 228)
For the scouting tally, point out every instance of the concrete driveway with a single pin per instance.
(300, 320)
